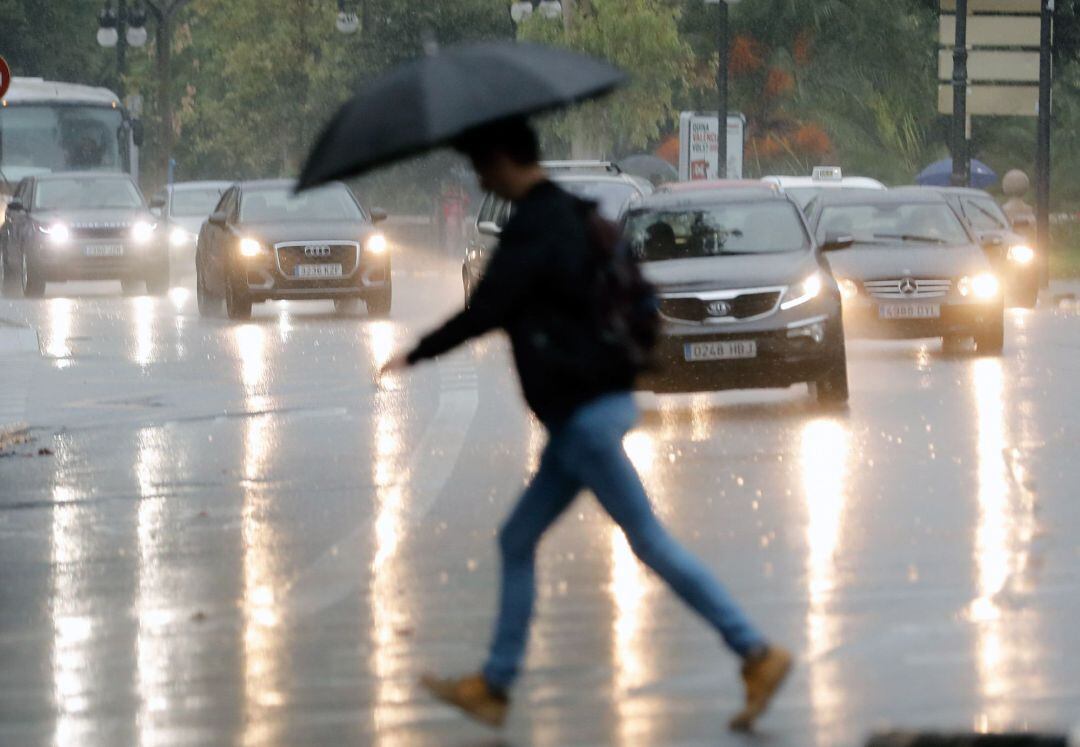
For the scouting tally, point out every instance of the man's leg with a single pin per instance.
(551, 490)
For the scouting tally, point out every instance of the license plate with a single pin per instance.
(720, 350)
(104, 250)
(318, 271)
(909, 311)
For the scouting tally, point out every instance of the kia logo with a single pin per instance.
(719, 308)
(908, 287)
(322, 250)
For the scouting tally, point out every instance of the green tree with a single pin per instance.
(641, 37)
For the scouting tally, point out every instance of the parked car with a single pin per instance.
(746, 297)
(80, 226)
(804, 188)
(913, 268)
(264, 242)
(1012, 256)
(182, 208)
(598, 181)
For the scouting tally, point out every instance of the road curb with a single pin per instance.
(19, 357)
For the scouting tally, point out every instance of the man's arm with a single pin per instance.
(502, 288)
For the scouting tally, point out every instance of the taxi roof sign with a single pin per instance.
(827, 174)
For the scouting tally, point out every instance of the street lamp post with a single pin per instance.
(523, 9)
(722, 65)
(121, 28)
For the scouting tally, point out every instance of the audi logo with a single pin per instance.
(322, 250)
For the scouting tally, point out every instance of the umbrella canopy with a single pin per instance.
(655, 169)
(430, 101)
(939, 174)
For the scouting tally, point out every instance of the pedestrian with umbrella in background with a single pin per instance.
(580, 321)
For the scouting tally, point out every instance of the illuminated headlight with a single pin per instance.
(800, 293)
(250, 248)
(1021, 254)
(180, 237)
(848, 288)
(142, 231)
(58, 233)
(983, 285)
(376, 243)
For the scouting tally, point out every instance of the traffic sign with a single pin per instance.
(1002, 101)
(991, 66)
(5, 76)
(994, 6)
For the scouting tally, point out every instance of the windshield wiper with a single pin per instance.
(911, 237)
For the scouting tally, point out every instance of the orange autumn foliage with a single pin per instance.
(812, 140)
(746, 55)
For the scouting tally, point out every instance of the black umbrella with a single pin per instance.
(430, 101)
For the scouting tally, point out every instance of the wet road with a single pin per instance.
(240, 539)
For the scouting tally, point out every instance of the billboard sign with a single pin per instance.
(697, 146)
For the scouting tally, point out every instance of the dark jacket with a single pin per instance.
(537, 288)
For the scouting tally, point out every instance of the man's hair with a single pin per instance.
(512, 137)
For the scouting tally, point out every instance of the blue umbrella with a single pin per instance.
(939, 174)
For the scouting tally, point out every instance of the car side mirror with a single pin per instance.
(835, 241)
(1023, 222)
(378, 215)
(137, 132)
(157, 201)
(219, 218)
(15, 206)
(488, 228)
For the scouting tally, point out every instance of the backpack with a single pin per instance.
(624, 308)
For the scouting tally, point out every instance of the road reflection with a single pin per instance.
(143, 311)
(1005, 526)
(152, 659)
(389, 599)
(57, 328)
(263, 641)
(73, 628)
(824, 452)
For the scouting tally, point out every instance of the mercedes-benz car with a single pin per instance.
(182, 208)
(745, 297)
(264, 242)
(598, 181)
(1012, 256)
(913, 269)
(80, 226)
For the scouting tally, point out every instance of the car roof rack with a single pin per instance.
(596, 165)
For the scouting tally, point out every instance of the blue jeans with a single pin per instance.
(585, 451)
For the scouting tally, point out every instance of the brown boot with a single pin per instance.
(471, 694)
(762, 674)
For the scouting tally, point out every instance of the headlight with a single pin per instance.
(1021, 254)
(800, 293)
(58, 233)
(984, 285)
(141, 231)
(376, 243)
(250, 247)
(848, 288)
(180, 237)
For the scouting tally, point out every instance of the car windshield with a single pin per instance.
(39, 139)
(985, 214)
(893, 223)
(274, 204)
(714, 230)
(86, 193)
(195, 201)
(611, 197)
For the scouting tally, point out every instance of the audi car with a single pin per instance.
(1011, 255)
(80, 226)
(746, 298)
(598, 181)
(913, 269)
(182, 208)
(265, 242)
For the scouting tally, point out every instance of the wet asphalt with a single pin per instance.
(226, 533)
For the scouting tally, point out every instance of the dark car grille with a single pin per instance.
(100, 232)
(742, 306)
(291, 255)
